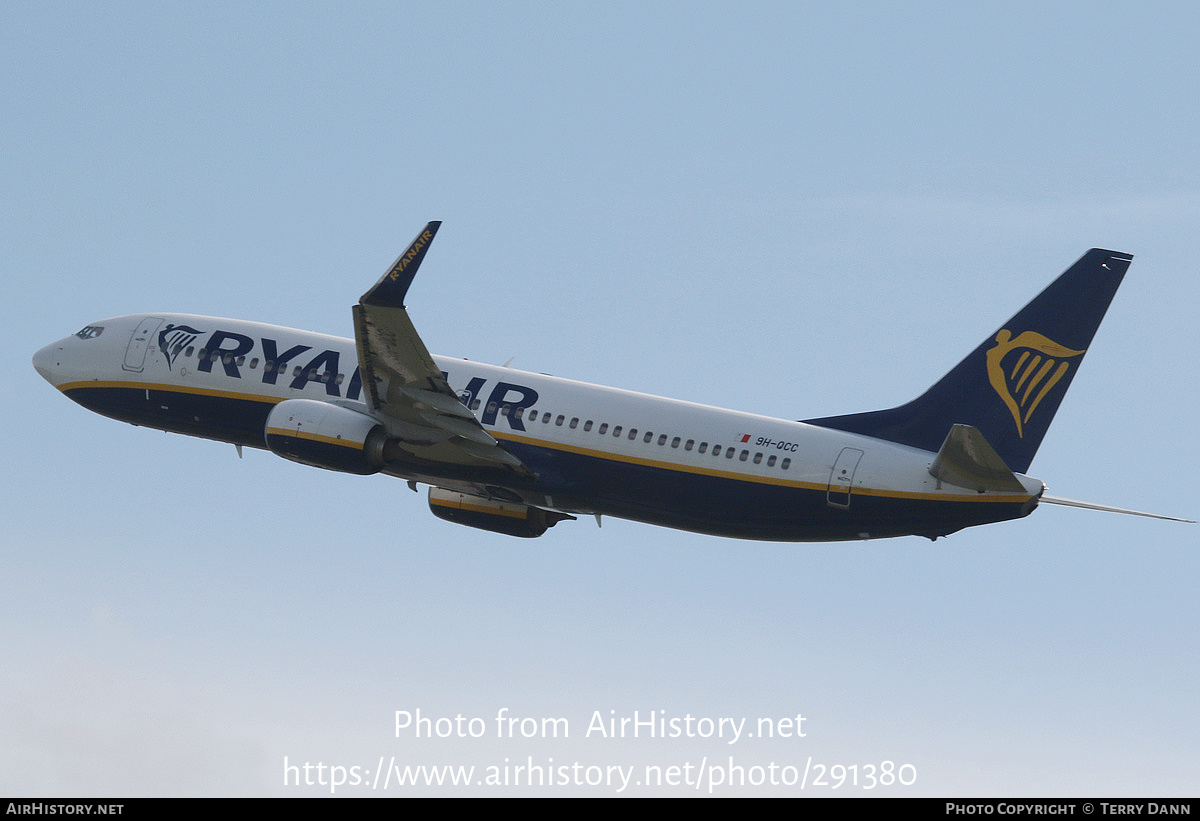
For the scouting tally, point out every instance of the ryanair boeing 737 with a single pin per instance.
(516, 452)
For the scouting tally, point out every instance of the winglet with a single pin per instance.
(390, 290)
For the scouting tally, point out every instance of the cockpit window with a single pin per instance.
(91, 332)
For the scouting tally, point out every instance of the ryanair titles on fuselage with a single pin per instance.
(229, 348)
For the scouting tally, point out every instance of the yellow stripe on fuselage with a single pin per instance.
(745, 477)
(155, 386)
(591, 452)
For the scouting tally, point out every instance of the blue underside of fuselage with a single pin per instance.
(716, 505)
(744, 509)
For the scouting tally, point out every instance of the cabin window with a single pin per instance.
(758, 458)
(649, 435)
(786, 463)
(587, 425)
(519, 413)
(254, 364)
(533, 416)
(603, 428)
(688, 444)
(617, 430)
(771, 461)
(491, 408)
(574, 422)
(716, 450)
(632, 434)
(559, 420)
(675, 442)
(546, 418)
(730, 451)
(703, 447)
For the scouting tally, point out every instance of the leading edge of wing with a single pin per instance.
(392, 287)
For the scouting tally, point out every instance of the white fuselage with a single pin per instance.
(594, 449)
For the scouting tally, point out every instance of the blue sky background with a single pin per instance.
(788, 208)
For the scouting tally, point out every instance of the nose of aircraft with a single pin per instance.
(46, 360)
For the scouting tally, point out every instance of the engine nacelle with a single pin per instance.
(488, 514)
(326, 436)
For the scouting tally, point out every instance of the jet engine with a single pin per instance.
(509, 518)
(326, 436)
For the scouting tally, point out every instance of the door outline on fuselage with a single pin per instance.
(135, 352)
(841, 478)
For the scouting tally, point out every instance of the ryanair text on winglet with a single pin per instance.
(407, 257)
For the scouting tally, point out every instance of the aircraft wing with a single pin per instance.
(406, 390)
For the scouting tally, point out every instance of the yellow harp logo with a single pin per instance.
(1035, 363)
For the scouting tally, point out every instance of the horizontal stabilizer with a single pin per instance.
(967, 460)
(1056, 500)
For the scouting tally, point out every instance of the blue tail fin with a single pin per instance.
(1011, 385)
